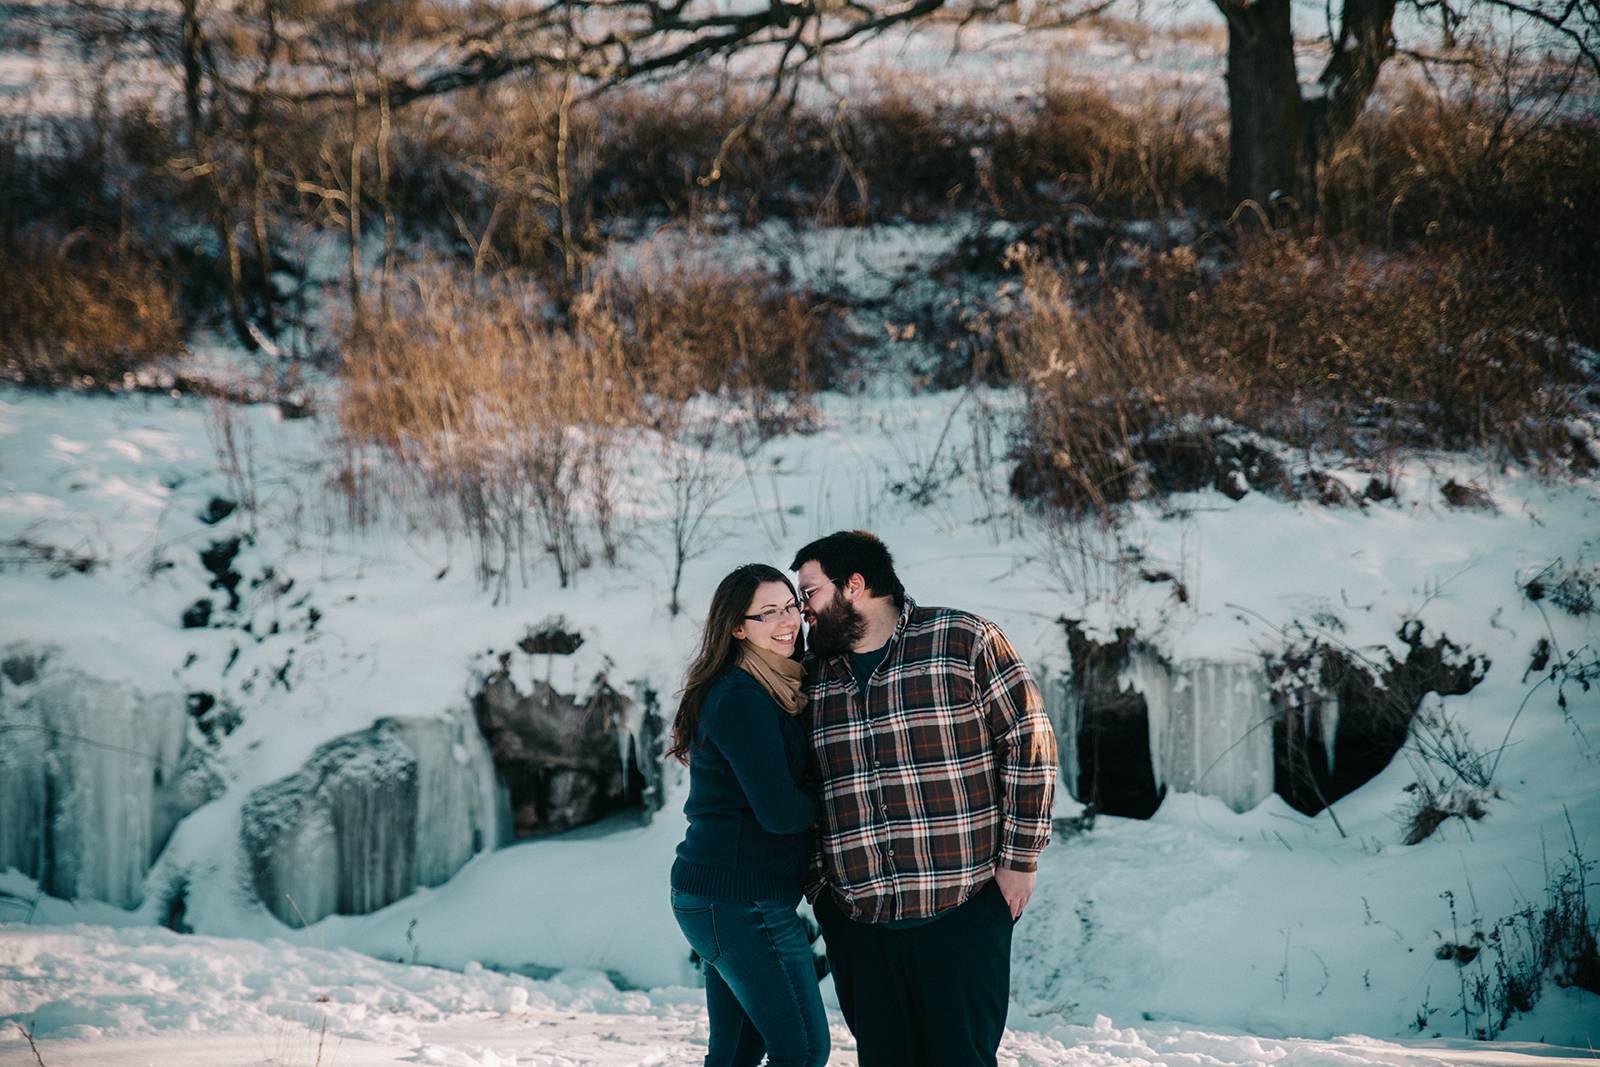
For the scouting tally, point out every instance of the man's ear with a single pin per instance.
(857, 586)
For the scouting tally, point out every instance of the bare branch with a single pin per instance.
(1576, 20)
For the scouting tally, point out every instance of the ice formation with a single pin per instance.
(1063, 703)
(371, 816)
(462, 808)
(1210, 726)
(92, 778)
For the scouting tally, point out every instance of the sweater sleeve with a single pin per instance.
(1025, 749)
(744, 727)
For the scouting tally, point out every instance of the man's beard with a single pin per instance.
(836, 630)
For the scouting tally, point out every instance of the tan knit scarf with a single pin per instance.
(779, 675)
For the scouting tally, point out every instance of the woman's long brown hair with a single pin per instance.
(719, 651)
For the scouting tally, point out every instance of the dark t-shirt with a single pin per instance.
(862, 664)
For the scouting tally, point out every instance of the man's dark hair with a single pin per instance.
(854, 552)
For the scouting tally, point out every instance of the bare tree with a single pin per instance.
(694, 484)
(1281, 131)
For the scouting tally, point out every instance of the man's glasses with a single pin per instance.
(774, 614)
(807, 594)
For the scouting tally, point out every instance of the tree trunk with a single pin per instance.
(259, 222)
(1265, 138)
(191, 51)
(1365, 42)
(195, 53)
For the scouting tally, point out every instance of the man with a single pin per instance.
(938, 771)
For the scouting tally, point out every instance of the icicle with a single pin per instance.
(1328, 717)
(1232, 712)
(87, 783)
(1148, 676)
(326, 838)
(457, 809)
(372, 815)
(1210, 727)
(1063, 705)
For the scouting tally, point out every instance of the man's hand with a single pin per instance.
(1016, 887)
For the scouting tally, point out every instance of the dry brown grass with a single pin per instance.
(79, 312)
(483, 170)
(1473, 168)
(473, 401)
(1145, 386)
(1438, 347)
(687, 327)
(486, 414)
(1096, 380)
(1141, 161)
(486, 162)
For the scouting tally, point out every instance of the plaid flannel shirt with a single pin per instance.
(944, 770)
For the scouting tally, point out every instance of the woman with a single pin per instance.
(742, 863)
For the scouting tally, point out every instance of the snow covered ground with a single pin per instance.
(1201, 936)
(95, 996)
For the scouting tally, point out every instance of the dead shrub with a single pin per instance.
(1503, 969)
(485, 162)
(507, 421)
(482, 168)
(1079, 146)
(88, 196)
(1098, 378)
(1368, 353)
(1430, 809)
(1372, 356)
(80, 311)
(686, 329)
(488, 413)
(651, 148)
(1468, 165)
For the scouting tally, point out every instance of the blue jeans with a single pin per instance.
(761, 985)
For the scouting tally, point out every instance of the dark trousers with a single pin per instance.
(926, 996)
(761, 983)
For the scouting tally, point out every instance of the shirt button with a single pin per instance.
(875, 763)
(890, 853)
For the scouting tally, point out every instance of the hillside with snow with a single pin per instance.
(344, 597)
(1260, 920)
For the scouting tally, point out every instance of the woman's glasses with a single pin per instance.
(774, 614)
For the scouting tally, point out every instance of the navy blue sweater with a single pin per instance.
(749, 819)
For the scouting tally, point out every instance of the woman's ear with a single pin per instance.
(738, 633)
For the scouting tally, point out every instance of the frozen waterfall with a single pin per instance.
(371, 816)
(91, 778)
(461, 807)
(1209, 725)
